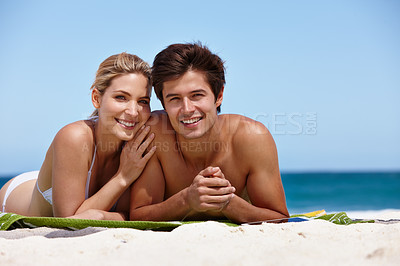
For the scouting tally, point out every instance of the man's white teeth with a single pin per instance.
(128, 124)
(191, 121)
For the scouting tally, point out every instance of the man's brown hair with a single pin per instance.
(175, 60)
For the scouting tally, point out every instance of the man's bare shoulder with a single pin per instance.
(164, 139)
(160, 125)
(247, 133)
(156, 117)
(242, 126)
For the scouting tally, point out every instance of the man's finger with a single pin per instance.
(214, 182)
(217, 199)
(209, 171)
(213, 191)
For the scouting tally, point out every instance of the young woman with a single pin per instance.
(90, 164)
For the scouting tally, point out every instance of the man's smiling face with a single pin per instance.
(191, 104)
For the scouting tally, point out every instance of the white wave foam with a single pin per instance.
(385, 214)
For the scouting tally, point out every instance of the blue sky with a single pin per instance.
(323, 76)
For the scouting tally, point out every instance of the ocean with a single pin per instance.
(334, 192)
(349, 192)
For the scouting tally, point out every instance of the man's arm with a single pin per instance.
(264, 186)
(147, 195)
(147, 192)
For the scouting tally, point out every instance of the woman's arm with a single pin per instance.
(72, 156)
(93, 214)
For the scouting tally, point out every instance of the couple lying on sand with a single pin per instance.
(186, 162)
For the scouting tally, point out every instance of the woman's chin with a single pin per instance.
(126, 137)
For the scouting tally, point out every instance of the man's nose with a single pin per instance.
(188, 105)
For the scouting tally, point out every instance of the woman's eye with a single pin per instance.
(144, 102)
(120, 97)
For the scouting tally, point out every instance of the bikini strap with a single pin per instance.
(90, 174)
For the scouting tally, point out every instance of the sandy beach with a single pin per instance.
(314, 242)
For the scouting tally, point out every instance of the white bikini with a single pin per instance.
(18, 180)
(48, 194)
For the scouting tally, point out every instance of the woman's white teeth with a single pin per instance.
(128, 124)
(191, 121)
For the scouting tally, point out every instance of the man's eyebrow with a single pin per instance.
(169, 95)
(199, 90)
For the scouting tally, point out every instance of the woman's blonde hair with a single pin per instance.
(117, 65)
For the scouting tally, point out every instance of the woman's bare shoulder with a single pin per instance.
(76, 134)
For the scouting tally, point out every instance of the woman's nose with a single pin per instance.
(132, 109)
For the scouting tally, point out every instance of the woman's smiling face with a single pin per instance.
(124, 107)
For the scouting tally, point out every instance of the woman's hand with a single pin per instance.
(134, 157)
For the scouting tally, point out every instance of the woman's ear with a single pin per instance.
(96, 98)
(218, 102)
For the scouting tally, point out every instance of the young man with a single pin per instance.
(207, 166)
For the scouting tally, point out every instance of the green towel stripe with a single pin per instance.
(9, 221)
(341, 218)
